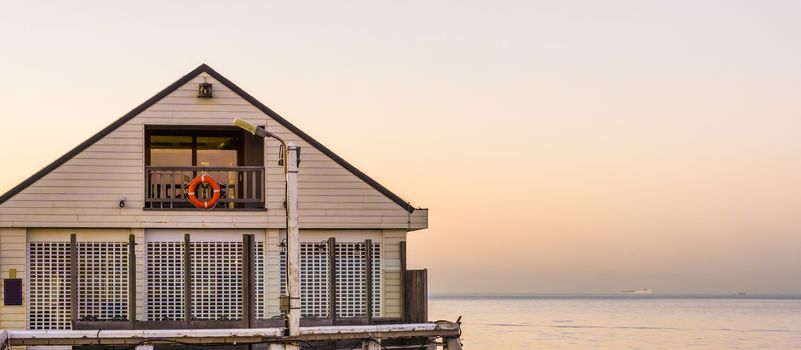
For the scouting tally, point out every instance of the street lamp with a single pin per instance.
(291, 154)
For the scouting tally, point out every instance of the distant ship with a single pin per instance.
(644, 291)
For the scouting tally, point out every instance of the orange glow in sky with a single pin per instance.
(581, 147)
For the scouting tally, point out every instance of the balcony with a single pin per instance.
(241, 187)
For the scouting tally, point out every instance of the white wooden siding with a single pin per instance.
(273, 269)
(392, 272)
(12, 256)
(85, 191)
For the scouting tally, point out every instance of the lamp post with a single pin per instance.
(292, 154)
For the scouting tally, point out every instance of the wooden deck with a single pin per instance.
(370, 336)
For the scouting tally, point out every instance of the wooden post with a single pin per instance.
(453, 343)
(416, 294)
(3, 339)
(371, 344)
(247, 281)
(132, 281)
(332, 280)
(293, 243)
(403, 280)
(74, 280)
(368, 279)
(241, 337)
(187, 281)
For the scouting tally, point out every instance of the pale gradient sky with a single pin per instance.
(562, 146)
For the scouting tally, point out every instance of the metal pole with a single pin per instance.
(293, 244)
(291, 160)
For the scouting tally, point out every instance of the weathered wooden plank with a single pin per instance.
(181, 98)
(217, 117)
(118, 134)
(104, 162)
(110, 181)
(239, 336)
(116, 148)
(310, 171)
(376, 198)
(27, 204)
(399, 213)
(196, 107)
(303, 185)
(130, 203)
(368, 279)
(416, 296)
(332, 280)
(131, 280)
(361, 206)
(453, 343)
(403, 280)
(248, 276)
(98, 169)
(93, 335)
(219, 93)
(137, 176)
(110, 140)
(83, 190)
(94, 154)
(187, 280)
(334, 219)
(112, 209)
(129, 127)
(330, 199)
(371, 344)
(74, 280)
(38, 218)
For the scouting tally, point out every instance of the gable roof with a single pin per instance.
(203, 68)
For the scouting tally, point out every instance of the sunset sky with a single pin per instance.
(561, 146)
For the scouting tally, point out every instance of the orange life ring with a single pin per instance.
(214, 186)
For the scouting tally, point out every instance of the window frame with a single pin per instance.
(195, 132)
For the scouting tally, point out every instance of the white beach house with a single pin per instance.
(120, 232)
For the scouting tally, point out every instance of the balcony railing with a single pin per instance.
(241, 187)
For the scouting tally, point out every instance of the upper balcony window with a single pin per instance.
(176, 155)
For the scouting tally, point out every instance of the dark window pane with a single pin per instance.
(217, 151)
(220, 151)
(170, 150)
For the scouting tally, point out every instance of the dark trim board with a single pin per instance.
(211, 324)
(203, 68)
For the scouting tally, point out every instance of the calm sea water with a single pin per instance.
(623, 322)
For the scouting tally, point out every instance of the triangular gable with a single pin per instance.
(203, 68)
